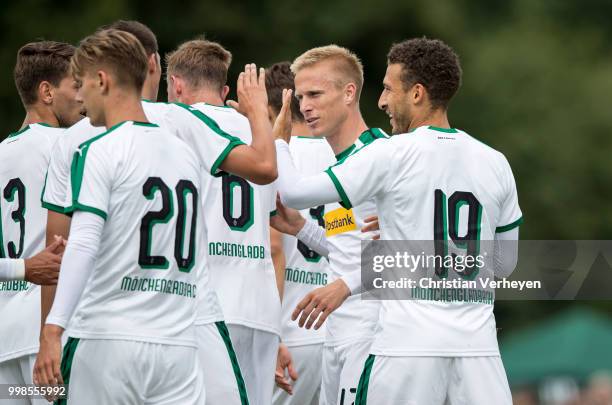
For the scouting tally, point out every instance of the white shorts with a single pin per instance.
(342, 366)
(123, 372)
(433, 381)
(19, 371)
(307, 360)
(256, 351)
(222, 376)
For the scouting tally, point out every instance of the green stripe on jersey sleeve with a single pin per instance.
(76, 174)
(55, 208)
(509, 227)
(346, 203)
(48, 205)
(212, 124)
(214, 169)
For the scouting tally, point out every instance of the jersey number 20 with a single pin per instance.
(152, 186)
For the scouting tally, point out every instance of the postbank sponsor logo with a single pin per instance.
(339, 221)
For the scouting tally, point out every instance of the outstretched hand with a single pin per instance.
(251, 91)
(319, 303)
(282, 124)
(286, 220)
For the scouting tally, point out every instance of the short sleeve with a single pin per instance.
(91, 179)
(57, 180)
(510, 215)
(210, 143)
(362, 174)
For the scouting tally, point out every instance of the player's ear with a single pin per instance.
(44, 92)
(224, 92)
(418, 93)
(350, 93)
(154, 63)
(102, 81)
(177, 84)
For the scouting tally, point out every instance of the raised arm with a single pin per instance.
(255, 162)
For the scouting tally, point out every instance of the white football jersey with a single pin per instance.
(305, 270)
(238, 224)
(24, 157)
(202, 134)
(211, 144)
(56, 195)
(144, 283)
(355, 318)
(433, 184)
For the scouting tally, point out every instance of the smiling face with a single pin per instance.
(395, 100)
(324, 102)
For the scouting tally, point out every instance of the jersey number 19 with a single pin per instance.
(446, 225)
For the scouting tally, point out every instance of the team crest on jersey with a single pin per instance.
(339, 221)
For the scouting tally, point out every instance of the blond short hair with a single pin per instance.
(346, 62)
(119, 51)
(200, 62)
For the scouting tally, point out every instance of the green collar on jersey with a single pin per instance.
(145, 124)
(217, 105)
(22, 130)
(447, 130)
(368, 136)
(309, 137)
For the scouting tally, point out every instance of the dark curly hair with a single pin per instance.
(431, 63)
(279, 77)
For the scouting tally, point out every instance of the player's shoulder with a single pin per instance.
(78, 133)
(227, 119)
(309, 143)
(219, 110)
(156, 107)
(485, 151)
(120, 133)
(426, 134)
(38, 135)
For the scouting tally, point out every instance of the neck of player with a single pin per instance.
(123, 107)
(347, 133)
(299, 128)
(203, 95)
(436, 118)
(36, 114)
(150, 89)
